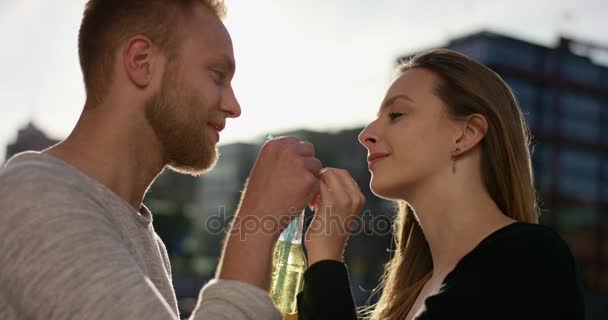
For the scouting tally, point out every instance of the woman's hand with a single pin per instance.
(336, 207)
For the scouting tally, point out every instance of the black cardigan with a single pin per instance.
(522, 271)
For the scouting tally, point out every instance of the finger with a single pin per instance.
(355, 193)
(313, 165)
(338, 190)
(304, 148)
(324, 193)
(345, 186)
(280, 142)
(286, 139)
(316, 188)
(332, 177)
(347, 179)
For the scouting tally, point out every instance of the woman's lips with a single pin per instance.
(374, 158)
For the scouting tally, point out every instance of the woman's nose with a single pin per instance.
(367, 138)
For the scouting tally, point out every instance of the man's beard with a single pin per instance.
(181, 127)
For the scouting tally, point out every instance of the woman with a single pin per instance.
(450, 146)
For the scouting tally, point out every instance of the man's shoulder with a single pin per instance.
(31, 174)
(32, 169)
(32, 180)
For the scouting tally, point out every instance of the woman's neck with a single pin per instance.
(455, 220)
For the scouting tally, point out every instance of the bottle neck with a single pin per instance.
(294, 230)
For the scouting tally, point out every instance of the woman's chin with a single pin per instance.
(393, 192)
(384, 193)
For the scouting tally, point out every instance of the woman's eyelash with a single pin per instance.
(394, 115)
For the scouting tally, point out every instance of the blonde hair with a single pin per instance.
(106, 23)
(465, 87)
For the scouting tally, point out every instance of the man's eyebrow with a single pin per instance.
(392, 99)
(229, 63)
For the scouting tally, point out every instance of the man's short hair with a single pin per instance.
(107, 23)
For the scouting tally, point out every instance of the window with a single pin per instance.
(474, 49)
(578, 173)
(527, 96)
(573, 185)
(579, 115)
(582, 161)
(547, 112)
(604, 181)
(572, 67)
(542, 158)
(512, 53)
(580, 69)
(585, 131)
(574, 217)
(579, 106)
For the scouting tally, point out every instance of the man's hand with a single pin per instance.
(282, 182)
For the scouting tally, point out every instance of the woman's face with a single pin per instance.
(410, 141)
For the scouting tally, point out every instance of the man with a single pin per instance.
(77, 243)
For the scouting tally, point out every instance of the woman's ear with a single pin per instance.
(474, 129)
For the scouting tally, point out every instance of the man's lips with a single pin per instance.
(218, 126)
(216, 129)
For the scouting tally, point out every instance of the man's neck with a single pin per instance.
(125, 157)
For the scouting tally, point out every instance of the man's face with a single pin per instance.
(196, 97)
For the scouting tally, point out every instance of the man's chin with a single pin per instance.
(195, 168)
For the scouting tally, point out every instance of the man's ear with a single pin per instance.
(140, 60)
(474, 129)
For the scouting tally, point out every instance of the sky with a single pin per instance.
(316, 64)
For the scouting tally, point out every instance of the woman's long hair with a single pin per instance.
(465, 87)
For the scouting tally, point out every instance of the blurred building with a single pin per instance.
(29, 138)
(217, 195)
(219, 190)
(564, 97)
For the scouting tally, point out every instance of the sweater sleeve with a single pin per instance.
(61, 259)
(326, 293)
